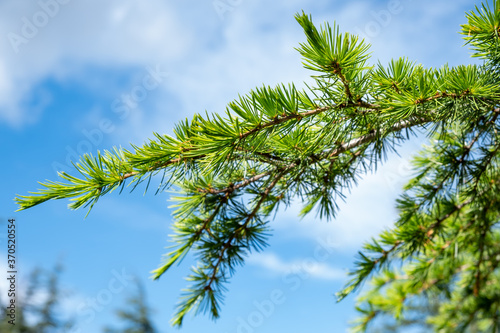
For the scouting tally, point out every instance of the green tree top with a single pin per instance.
(232, 170)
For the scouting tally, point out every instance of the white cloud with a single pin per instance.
(109, 34)
(313, 268)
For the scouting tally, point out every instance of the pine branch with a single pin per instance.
(231, 188)
(179, 253)
(206, 289)
(250, 217)
(276, 143)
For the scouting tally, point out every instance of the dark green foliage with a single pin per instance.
(272, 145)
(38, 309)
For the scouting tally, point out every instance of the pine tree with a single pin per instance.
(231, 171)
(37, 309)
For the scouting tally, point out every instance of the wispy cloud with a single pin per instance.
(313, 268)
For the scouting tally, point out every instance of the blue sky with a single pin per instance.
(91, 75)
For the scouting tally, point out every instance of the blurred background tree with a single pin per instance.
(38, 306)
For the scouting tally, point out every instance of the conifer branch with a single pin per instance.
(321, 139)
(249, 219)
(232, 187)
